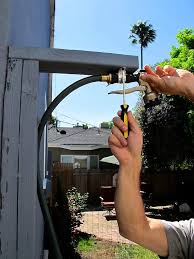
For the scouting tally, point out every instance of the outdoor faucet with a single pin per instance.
(150, 97)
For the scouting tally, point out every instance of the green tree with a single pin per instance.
(169, 127)
(52, 120)
(183, 55)
(142, 33)
(168, 134)
(106, 124)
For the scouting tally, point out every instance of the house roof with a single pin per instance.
(78, 138)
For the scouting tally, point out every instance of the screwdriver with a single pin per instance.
(124, 107)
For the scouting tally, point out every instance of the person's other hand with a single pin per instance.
(170, 80)
(127, 151)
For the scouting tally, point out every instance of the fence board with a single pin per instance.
(9, 163)
(96, 180)
(27, 184)
(80, 181)
(84, 180)
(65, 175)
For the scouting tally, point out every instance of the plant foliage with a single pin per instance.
(77, 203)
(142, 33)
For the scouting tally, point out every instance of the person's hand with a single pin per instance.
(127, 151)
(170, 80)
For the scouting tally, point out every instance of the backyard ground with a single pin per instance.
(96, 224)
(104, 241)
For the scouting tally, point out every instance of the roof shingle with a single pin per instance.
(78, 136)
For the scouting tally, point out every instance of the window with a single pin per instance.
(81, 162)
(66, 159)
(84, 162)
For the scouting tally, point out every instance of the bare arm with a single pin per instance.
(132, 221)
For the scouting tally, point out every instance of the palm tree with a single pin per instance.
(143, 34)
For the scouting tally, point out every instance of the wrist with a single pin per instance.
(131, 165)
(129, 174)
(131, 159)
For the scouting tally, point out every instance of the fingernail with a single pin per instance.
(125, 128)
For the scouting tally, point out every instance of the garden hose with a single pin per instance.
(43, 122)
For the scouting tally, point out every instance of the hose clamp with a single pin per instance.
(122, 75)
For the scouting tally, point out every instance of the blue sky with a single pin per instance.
(104, 25)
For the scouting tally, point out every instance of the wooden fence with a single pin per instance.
(169, 186)
(84, 180)
(165, 186)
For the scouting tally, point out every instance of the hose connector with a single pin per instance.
(106, 78)
(150, 95)
(114, 78)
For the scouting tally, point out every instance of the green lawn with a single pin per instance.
(133, 251)
(91, 248)
(86, 245)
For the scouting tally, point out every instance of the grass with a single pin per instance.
(133, 252)
(86, 245)
(91, 248)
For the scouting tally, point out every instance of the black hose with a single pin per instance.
(45, 118)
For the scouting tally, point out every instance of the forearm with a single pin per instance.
(128, 202)
(132, 221)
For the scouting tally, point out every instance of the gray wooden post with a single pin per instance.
(21, 222)
(3, 68)
(28, 223)
(9, 159)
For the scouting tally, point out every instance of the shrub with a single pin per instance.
(77, 203)
(67, 216)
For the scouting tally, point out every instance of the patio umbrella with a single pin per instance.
(110, 160)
